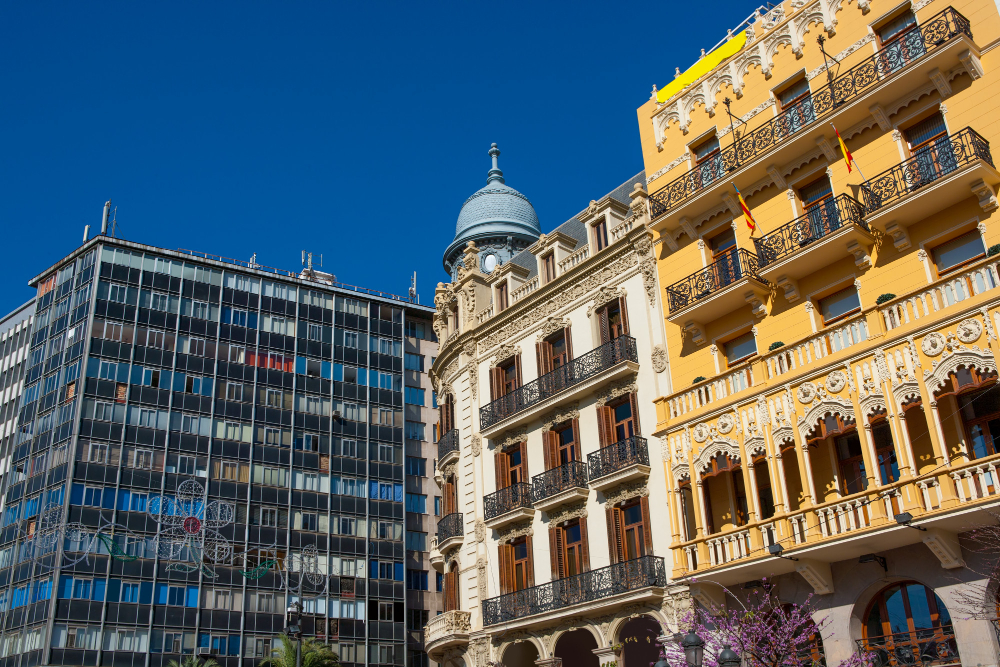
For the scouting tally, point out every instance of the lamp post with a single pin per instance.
(294, 629)
(694, 649)
(729, 657)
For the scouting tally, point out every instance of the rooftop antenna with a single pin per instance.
(413, 286)
(307, 260)
(253, 261)
(104, 217)
(114, 223)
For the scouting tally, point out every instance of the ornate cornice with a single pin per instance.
(551, 325)
(505, 352)
(567, 512)
(626, 491)
(514, 531)
(511, 437)
(560, 415)
(615, 390)
(605, 294)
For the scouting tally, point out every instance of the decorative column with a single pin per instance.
(941, 445)
(808, 475)
(786, 504)
(750, 483)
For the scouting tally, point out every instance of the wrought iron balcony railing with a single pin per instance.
(448, 443)
(818, 221)
(930, 164)
(450, 526)
(631, 575)
(728, 269)
(621, 455)
(935, 32)
(507, 499)
(931, 646)
(574, 372)
(570, 475)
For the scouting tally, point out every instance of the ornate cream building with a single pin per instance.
(554, 534)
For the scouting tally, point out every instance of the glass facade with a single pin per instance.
(202, 446)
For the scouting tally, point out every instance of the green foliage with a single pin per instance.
(194, 661)
(775, 345)
(700, 378)
(888, 296)
(314, 654)
(994, 250)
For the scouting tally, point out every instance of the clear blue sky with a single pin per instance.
(355, 130)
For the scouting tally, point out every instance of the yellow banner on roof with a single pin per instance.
(703, 67)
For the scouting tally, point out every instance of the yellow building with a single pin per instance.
(834, 371)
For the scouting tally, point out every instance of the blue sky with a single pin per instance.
(355, 130)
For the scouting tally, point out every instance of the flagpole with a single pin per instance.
(852, 156)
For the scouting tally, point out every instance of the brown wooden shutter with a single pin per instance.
(634, 400)
(569, 343)
(602, 318)
(556, 558)
(577, 440)
(502, 469)
(605, 426)
(525, 475)
(451, 591)
(625, 328)
(496, 384)
(647, 527)
(614, 534)
(530, 565)
(548, 449)
(585, 545)
(540, 357)
(517, 369)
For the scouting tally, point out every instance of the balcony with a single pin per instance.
(597, 367)
(719, 288)
(621, 462)
(931, 646)
(446, 631)
(509, 504)
(560, 485)
(940, 175)
(448, 448)
(921, 55)
(613, 586)
(451, 531)
(827, 232)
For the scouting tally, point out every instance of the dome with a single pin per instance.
(496, 217)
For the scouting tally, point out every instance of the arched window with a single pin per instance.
(906, 624)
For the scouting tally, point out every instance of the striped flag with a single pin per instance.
(843, 149)
(751, 223)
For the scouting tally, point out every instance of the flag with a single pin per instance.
(751, 223)
(843, 149)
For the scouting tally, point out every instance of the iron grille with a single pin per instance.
(621, 455)
(631, 575)
(507, 499)
(929, 646)
(448, 443)
(930, 164)
(450, 526)
(570, 475)
(936, 31)
(574, 372)
(819, 221)
(728, 269)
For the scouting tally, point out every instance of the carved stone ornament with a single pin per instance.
(552, 325)
(933, 344)
(456, 624)
(659, 358)
(648, 268)
(567, 512)
(479, 648)
(565, 413)
(969, 331)
(505, 352)
(625, 492)
(449, 469)
(700, 433)
(470, 348)
(726, 423)
(477, 445)
(835, 381)
(515, 531)
(513, 437)
(806, 393)
(480, 531)
(604, 295)
(616, 389)
(473, 379)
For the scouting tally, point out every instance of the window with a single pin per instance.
(569, 545)
(612, 321)
(143, 459)
(503, 300)
(416, 466)
(980, 412)
(437, 505)
(521, 558)
(414, 362)
(155, 339)
(633, 531)
(553, 352)
(315, 332)
(414, 431)
(565, 442)
(888, 467)
(117, 293)
(708, 157)
(416, 619)
(234, 391)
(416, 502)
(416, 580)
(853, 478)
(512, 466)
(958, 252)
(549, 267)
(839, 305)
(269, 517)
(932, 151)
(600, 233)
(796, 104)
(821, 208)
(509, 377)
(623, 423)
(740, 348)
(413, 395)
(906, 616)
(416, 541)
(237, 354)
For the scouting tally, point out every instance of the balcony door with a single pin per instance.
(629, 530)
(451, 588)
(512, 466)
(725, 259)
(568, 549)
(900, 42)
(933, 152)
(505, 377)
(612, 320)
(618, 421)
(708, 158)
(907, 624)
(796, 105)
(821, 210)
(554, 352)
(516, 570)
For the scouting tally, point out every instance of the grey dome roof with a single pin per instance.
(497, 211)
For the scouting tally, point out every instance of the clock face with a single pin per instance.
(490, 262)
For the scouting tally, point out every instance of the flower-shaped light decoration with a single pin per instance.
(50, 531)
(187, 530)
(302, 575)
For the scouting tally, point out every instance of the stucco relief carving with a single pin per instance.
(806, 392)
(700, 432)
(565, 413)
(477, 444)
(827, 406)
(718, 446)
(648, 268)
(505, 352)
(659, 358)
(615, 390)
(479, 651)
(835, 382)
(604, 295)
(449, 469)
(551, 325)
(755, 446)
(626, 491)
(969, 330)
(725, 423)
(567, 512)
(959, 357)
(515, 531)
(473, 379)
(481, 581)
(513, 437)
(470, 348)
(670, 165)
(480, 531)
(933, 344)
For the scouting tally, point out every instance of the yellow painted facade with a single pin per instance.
(877, 370)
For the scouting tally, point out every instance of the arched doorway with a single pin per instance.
(576, 648)
(638, 640)
(906, 624)
(521, 654)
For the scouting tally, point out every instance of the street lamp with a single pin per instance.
(729, 657)
(294, 629)
(694, 649)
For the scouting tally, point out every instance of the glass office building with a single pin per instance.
(202, 442)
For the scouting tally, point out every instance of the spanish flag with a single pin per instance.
(843, 149)
(751, 223)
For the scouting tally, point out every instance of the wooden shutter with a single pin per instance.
(577, 439)
(556, 552)
(647, 527)
(525, 476)
(517, 370)
(624, 310)
(605, 426)
(502, 469)
(529, 570)
(602, 318)
(569, 343)
(634, 400)
(540, 357)
(451, 591)
(502, 557)
(584, 546)
(548, 449)
(496, 383)
(614, 534)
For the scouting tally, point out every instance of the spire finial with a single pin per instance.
(495, 173)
